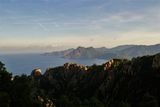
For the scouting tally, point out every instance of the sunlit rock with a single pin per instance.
(36, 73)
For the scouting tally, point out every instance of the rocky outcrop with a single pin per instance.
(36, 73)
(71, 66)
(108, 64)
(69, 73)
(113, 63)
(156, 62)
(111, 83)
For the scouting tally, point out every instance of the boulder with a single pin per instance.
(36, 73)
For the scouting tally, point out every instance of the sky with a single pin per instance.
(48, 25)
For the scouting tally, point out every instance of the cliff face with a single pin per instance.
(113, 83)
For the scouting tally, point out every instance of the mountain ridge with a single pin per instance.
(122, 51)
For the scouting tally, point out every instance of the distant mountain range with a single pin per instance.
(123, 51)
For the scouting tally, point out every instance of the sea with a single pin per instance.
(19, 64)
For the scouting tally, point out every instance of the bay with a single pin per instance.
(20, 64)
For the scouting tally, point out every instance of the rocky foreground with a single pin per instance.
(117, 83)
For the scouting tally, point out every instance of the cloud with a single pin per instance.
(139, 37)
(69, 23)
(117, 19)
(42, 26)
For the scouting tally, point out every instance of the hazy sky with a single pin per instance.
(27, 25)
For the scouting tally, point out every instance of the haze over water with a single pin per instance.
(25, 63)
(28, 26)
(39, 26)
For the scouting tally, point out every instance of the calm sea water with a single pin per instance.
(24, 63)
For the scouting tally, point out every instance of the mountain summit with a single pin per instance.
(123, 51)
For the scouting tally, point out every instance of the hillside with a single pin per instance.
(124, 51)
(82, 53)
(116, 83)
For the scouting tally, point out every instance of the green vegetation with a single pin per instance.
(18, 91)
(127, 83)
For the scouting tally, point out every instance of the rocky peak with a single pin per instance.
(69, 66)
(113, 63)
(108, 64)
(83, 48)
(80, 47)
